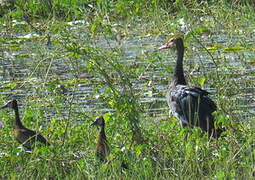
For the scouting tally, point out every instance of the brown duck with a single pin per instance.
(102, 148)
(23, 135)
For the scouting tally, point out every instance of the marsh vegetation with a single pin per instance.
(68, 62)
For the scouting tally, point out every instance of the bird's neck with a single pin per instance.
(178, 77)
(18, 123)
(102, 136)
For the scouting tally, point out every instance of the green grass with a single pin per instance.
(218, 40)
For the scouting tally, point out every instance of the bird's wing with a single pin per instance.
(204, 100)
(41, 139)
(29, 135)
(22, 135)
(187, 103)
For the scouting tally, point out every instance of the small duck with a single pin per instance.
(23, 135)
(102, 148)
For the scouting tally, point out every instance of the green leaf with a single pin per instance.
(236, 48)
(107, 116)
(93, 28)
(201, 80)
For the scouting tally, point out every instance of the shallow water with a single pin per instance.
(23, 57)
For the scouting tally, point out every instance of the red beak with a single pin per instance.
(166, 46)
(163, 47)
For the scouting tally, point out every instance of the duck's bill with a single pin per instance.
(166, 46)
(94, 123)
(2, 107)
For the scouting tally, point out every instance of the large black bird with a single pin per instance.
(191, 105)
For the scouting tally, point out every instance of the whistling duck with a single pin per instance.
(23, 135)
(102, 148)
(191, 105)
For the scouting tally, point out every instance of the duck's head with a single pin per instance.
(99, 122)
(173, 43)
(11, 104)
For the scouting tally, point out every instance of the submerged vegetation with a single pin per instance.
(68, 62)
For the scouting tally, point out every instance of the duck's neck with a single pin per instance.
(178, 76)
(18, 123)
(102, 136)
